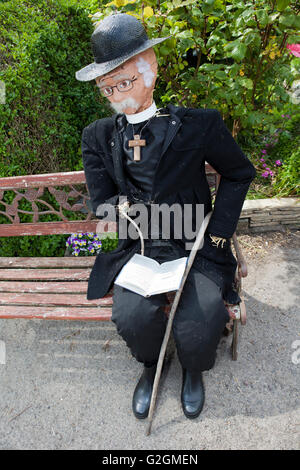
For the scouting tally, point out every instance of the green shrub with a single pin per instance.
(35, 245)
(109, 243)
(288, 181)
(44, 245)
(43, 43)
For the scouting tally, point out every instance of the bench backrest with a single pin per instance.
(68, 194)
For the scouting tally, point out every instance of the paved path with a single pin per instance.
(65, 387)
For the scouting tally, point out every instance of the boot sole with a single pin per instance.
(141, 416)
(192, 415)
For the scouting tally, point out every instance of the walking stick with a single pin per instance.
(171, 318)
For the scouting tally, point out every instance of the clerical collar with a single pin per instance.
(143, 115)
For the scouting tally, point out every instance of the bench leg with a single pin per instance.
(243, 312)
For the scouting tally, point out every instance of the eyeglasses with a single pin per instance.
(122, 86)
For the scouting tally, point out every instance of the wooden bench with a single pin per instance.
(54, 288)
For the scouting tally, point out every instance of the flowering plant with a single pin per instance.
(264, 162)
(294, 49)
(84, 244)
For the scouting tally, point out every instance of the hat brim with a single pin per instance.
(94, 70)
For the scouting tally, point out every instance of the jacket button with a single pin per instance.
(173, 122)
(112, 144)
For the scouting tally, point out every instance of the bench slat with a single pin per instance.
(56, 179)
(45, 179)
(47, 262)
(44, 274)
(47, 287)
(79, 300)
(79, 287)
(55, 228)
(55, 313)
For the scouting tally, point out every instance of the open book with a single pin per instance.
(147, 277)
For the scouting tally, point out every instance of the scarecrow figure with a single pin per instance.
(157, 156)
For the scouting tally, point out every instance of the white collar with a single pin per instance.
(143, 115)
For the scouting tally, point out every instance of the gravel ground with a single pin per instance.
(69, 385)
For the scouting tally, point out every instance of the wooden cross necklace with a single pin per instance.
(137, 142)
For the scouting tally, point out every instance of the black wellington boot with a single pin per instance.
(142, 393)
(192, 393)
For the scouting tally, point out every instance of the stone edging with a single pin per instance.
(262, 215)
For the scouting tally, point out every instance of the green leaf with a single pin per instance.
(208, 67)
(164, 50)
(273, 17)
(253, 118)
(247, 83)
(187, 2)
(212, 40)
(236, 49)
(282, 4)
(252, 38)
(220, 74)
(287, 19)
(262, 17)
(185, 34)
(194, 85)
(296, 23)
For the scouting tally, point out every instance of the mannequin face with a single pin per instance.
(143, 69)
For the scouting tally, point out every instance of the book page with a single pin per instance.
(138, 271)
(147, 277)
(169, 276)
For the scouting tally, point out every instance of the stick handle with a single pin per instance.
(190, 261)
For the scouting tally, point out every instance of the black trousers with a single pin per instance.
(199, 320)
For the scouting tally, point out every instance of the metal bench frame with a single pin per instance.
(54, 288)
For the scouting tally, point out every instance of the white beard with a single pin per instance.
(127, 103)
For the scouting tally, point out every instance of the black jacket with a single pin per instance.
(193, 137)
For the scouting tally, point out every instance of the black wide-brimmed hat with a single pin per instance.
(116, 39)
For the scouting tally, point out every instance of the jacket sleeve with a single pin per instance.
(101, 187)
(237, 172)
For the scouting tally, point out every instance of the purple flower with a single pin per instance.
(76, 252)
(263, 151)
(278, 163)
(262, 159)
(84, 243)
(265, 174)
(264, 165)
(271, 173)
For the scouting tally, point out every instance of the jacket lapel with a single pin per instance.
(174, 125)
(117, 156)
(176, 115)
